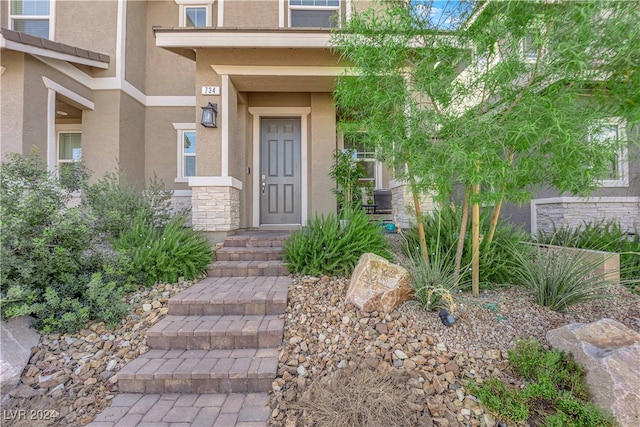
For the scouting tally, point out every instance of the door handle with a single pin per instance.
(263, 185)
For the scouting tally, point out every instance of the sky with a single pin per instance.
(444, 14)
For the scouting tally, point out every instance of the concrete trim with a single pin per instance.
(220, 13)
(224, 134)
(82, 102)
(281, 7)
(281, 70)
(181, 193)
(302, 113)
(273, 39)
(215, 181)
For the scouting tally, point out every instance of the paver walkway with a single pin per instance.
(215, 355)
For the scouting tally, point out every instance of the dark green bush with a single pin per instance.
(602, 235)
(325, 246)
(164, 254)
(114, 206)
(554, 395)
(442, 229)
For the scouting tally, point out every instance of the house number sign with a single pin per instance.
(211, 90)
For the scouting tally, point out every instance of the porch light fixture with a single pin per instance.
(209, 116)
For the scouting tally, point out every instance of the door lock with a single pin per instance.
(264, 184)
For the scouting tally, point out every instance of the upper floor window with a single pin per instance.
(195, 13)
(31, 17)
(186, 151)
(313, 13)
(613, 132)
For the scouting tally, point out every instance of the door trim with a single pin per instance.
(293, 112)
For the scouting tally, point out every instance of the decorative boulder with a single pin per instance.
(378, 285)
(610, 353)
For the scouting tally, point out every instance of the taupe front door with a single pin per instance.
(280, 171)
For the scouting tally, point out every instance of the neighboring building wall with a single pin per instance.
(574, 212)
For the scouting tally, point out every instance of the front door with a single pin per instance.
(280, 171)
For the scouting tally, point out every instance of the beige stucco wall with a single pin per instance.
(136, 44)
(11, 103)
(132, 141)
(167, 74)
(161, 140)
(322, 131)
(95, 28)
(101, 133)
(251, 13)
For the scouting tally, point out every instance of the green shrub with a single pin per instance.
(164, 255)
(556, 279)
(325, 246)
(114, 206)
(554, 392)
(602, 235)
(434, 284)
(442, 229)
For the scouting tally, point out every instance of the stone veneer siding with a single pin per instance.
(215, 208)
(575, 212)
(402, 205)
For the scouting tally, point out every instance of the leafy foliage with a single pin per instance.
(602, 235)
(325, 246)
(347, 173)
(114, 206)
(555, 393)
(165, 254)
(557, 279)
(442, 231)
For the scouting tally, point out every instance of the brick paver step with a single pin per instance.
(257, 239)
(243, 253)
(200, 371)
(194, 410)
(247, 268)
(216, 332)
(232, 295)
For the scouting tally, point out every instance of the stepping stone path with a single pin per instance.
(214, 356)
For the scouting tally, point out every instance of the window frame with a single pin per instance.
(622, 163)
(181, 128)
(294, 7)
(377, 174)
(186, 4)
(50, 18)
(66, 129)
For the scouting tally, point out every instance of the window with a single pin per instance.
(31, 17)
(186, 151)
(69, 158)
(195, 16)
(529, 48)
(195, 13)
(313, 13)
(366, 156)
(613, 132)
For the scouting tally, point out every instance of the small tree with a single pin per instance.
(497, 99)
(347, 172)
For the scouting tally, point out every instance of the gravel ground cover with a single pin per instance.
(432, 364)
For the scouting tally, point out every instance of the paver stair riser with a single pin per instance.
(200, 371)
(216, 332)
(249, 254)
(247, 268)
(232, 296)
(255, 240)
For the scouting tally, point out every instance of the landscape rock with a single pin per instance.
(378, 285)
(610, 353)
(15, 350)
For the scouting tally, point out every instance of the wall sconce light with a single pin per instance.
(209, 116)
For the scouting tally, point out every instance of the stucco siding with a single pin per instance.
(323, 144)
(101, 134)
(90, 25)
(11, 103)
(251, 13)
(209, 147)
(136, 44)
(132, 141)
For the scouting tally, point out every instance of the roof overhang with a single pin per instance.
(21, 42)
(198, 38)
